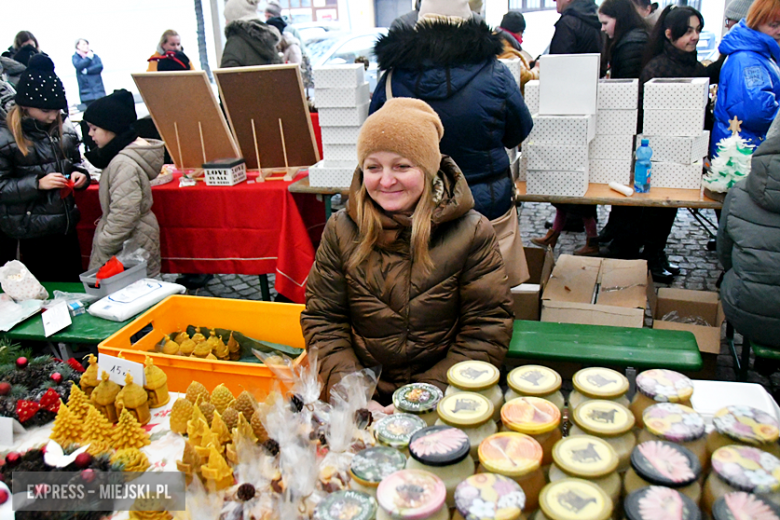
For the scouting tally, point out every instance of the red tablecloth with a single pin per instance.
(256, 228)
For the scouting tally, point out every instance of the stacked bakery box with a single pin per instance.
(673, 124)
(611, 151)
(342, 96)
(531, 97)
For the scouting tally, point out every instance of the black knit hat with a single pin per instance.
(39, 86)
(115, 112)
(513, 21)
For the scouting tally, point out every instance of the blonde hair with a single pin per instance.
(14, 120)
(761, 12)
(164, 39)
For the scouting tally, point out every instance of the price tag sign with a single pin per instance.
(55, 319)
(118, 368)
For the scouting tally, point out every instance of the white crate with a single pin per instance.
(340, 152)
(604, 171)
(515, 66)
(570, 83)
(531, 96)
(673, 175)
(352, 116)
(676, 93)
(342, 97)
(563, 130)
(618, 94)
(612, 147)
(225, 176)
(340, 134)
(681, 123)
(554, 157)
(564, 184)
(339, 76)
(331, 174)
(681, 150)
(616, 122)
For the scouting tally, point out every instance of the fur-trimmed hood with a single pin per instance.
(256, 33)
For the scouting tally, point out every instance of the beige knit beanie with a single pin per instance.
(454, 10)
(406, 126)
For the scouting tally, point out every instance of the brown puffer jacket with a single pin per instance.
(388, 312)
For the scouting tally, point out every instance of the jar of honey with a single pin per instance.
(535, 381)
(371, 465)
(478, 377)
(660, 386)
(678, 424)
(518, 457)
(742, 468)
(472, 413)
(746, 426)
(356, 505)
(657, 502)
(412, 494)
(588, 458)
(660, 463)
(609, 421)
(536, 417)
(395, 431)
(744, 506)
(598, 383)
(418, 399)
(487, 496)
(573, 499)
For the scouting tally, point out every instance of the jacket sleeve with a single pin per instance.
(518, 119)
(93, 65)
(379, 97)
(749, 93)
(627, 60)
(565, 38)
(125, 196)
(229, 55)
(13, 189)
(325, 321)
(725, 242)
(96, 67)
(486, 315)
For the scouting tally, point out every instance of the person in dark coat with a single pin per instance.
(749, 247)
(250, 42)
(25, 47)
(453, 68)
(578, 30)
(88, 67)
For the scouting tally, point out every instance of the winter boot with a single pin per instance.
(591, 248)
(550, 239)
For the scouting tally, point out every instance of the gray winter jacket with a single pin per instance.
(749, 247)
(250, 42)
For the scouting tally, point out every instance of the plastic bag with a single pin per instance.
(19, 283)
(674, 316)
(60, 297)
(132, 253)
(111, 268)
(12, 313)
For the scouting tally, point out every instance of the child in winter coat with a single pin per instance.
(129, 164)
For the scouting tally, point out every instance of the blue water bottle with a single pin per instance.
(643, 170)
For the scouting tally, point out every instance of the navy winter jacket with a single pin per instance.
(454, 69)
(88, 75)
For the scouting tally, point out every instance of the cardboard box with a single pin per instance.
(342, 97)
(676, 93)
(340, 152)
(618, 94)
(615, 147)
(681, 150)
(597, 291)
(332, 174)
(616, 122)
(564, 184)
(526, 297)
(681, 123)
(531, 96)
(352, 116)
(570, 83)
(558, 158)
(691, 304)
(340, 134)
(563, 130)
(515, 66)
(604, 171)
(351, 75)
(673, 175)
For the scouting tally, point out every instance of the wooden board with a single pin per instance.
(185, 112)
(602, 194)
(266, 94)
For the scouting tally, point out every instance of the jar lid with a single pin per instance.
(487, 496)
(575, 499)
(660, 503)
(465, 409)
(747, 469)
(473, 375)
(510, 453)
(417, 398)
(603, 418)
(673, 422)
(371, 465)
(600, 383)
(411, 494)
(665, 464)
(396, 430)
(747, 425)
(585, 456)
(530, 415)
(664, 385)
(347, 505)
(534, 380)
(439, 446)
(744, 506)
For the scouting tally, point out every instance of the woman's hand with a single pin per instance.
(79, 179)
(374, 406)
(52, 181)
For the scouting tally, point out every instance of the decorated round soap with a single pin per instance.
(601, 383)
(466, 409)
(530, 415)
(473, 375)
(585, 456)
(396, 430)
(600, 417)
(673, 422)
(371, 465)
(417, 398)
(510, 453)
(744, 506)
(660, 503)
(534, 380)
(665, 464)
(487, 496)
(439, 446)
(747, 469)
(664, 385)
(411, 494)
(575, 499)
(746, 425)
(347, 505)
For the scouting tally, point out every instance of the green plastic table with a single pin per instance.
(600, 344)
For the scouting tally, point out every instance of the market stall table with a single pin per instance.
(323, 194)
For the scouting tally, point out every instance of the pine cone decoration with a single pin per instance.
(181, 412)
(195, 390)
(258, 428)
(208, 410)
(230, 417)
(245, 404)
(221, 398)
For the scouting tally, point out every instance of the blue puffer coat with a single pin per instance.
(454, 69)
(88, 72)
(749, 85)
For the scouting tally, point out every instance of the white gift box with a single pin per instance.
(339, 76)
(616, 122)
(554, 157)
(564, 184)
(342, 97)
(612, 147)
(570, 83)
(681, 150)
(522, 168)
(604, 171)
(340, 152)
(618, 94)
(352, 116)
(331, 174)
(515, 66)
(531, 96)
(676, 93)
(674, 175)
(683, 123)
(563, 130)
(340, 134)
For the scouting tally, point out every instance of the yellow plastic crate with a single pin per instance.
(274, 322)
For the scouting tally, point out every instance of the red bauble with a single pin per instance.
(12, 459)
(21, 363)
(5, 388)
(3, 496)
(56, 377)
(88, 475)
(83, 460)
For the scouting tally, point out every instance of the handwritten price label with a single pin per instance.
(118, 368)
